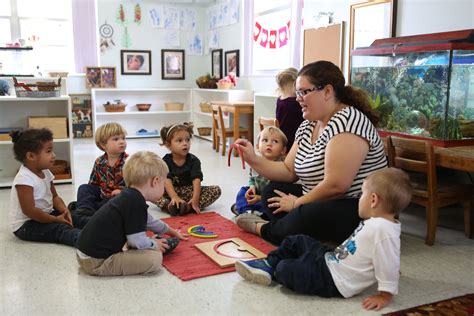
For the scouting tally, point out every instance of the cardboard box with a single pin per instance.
(57, 124)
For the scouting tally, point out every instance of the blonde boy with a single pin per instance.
(272, 146)
(106, 179)
(125, 219)
(370, 255)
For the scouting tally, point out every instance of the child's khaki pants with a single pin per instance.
(129, 262)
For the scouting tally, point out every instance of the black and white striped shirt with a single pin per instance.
(309, 162)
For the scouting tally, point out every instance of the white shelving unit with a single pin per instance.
(203, 119)
(132, 119)
(265, 105)
(14, 112)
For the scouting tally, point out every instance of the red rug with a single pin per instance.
(187, 262)
(460, 305)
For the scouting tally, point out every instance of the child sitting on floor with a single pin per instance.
(106, 179)
(37, 212)
(184, 193)
(370, 255)
(125, 219)
(272, 146)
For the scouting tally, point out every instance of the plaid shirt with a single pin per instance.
(106, 177)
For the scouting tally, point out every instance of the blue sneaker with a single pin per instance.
(257, 271)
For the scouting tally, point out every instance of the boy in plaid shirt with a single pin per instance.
(106, 178)
(271, 145)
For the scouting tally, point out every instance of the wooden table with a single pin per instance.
(459, 158)
(237, 108)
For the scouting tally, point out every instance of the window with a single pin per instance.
(271, 49)
(47, 26)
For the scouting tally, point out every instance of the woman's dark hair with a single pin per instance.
(167, 132)
(322, 73)
(30, 140)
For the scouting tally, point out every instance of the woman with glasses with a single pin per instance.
(335, 148)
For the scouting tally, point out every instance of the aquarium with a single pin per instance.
(421, 86)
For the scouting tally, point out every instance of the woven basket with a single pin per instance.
(115, 107)
(225, 85)
(59, 167)
(58, 74)
(174, 106)
(143, 106)
(204, 131)
(205, 107)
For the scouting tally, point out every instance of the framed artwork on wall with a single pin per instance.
(93, 77)
(107, 77)
(216, 63)
(371, 20)
(232, 62)
(135, 62)
(172, 64)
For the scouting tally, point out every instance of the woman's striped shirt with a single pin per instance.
(309, 162)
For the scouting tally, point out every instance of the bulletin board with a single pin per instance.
(324, 43)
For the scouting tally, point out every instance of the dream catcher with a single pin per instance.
(106, 41)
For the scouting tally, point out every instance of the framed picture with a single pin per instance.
(232, 62)
(93, 77)
(172, 64)
(107, 77)
(216, 63)
(135, 62)
(370, 21)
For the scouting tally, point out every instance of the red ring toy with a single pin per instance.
(241, 154)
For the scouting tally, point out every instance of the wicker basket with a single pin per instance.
(59, 167)
(57, 74)
(143, 106)
(115, 107)
(225, 85)
(204, 131)
(205, 107)
(38, 90)
(174, 106)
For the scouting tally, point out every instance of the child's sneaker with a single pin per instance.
(72, 206)
(257, 271)
(233, 209)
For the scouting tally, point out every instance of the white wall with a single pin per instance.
(145, 37)
(413, 17)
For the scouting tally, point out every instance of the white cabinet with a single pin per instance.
(134, 120)
(204, 119)
(14, 112)
(265, 106)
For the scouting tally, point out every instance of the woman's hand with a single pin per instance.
(248, 152)
(161, 244)
(283, 202)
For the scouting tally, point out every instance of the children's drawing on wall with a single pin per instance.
(138, 14)
(157, 17)
(121, 15)
(188, 20)
(171, 18)
(126, 39)
(194, 46)
(211, 42)
(171, 38)
(222, 14)
(106, 32)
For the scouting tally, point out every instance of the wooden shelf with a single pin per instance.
(16, 48)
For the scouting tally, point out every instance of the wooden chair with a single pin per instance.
(221, 133)
(266, 121)
(418, 159)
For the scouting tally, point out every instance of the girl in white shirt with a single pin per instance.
(37, 212)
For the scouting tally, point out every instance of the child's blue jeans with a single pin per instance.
(241, 204)
(57, 233)
(88, 197)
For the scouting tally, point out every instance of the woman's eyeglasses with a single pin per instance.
(302, 93)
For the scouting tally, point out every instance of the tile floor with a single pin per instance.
(43, 279)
